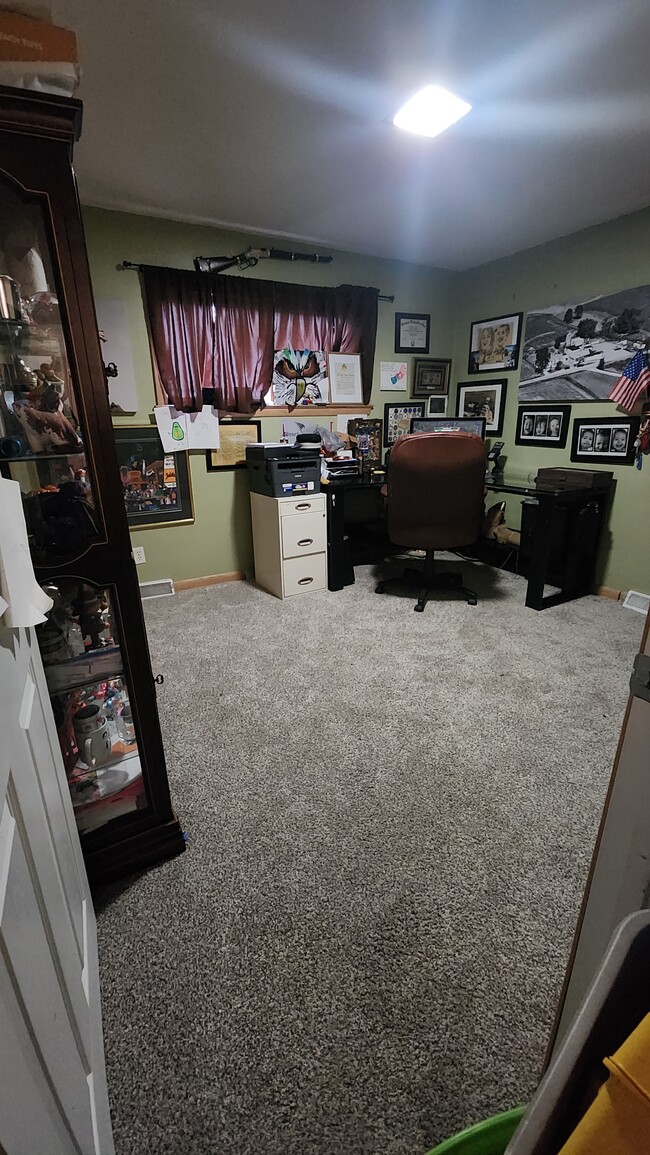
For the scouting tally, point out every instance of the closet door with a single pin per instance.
(619, 876)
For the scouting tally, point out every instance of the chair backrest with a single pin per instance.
(436, 487)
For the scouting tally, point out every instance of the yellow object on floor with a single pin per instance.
(618, 1121)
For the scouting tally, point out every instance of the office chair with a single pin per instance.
(435, 489)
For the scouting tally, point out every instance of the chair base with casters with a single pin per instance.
(427, 580)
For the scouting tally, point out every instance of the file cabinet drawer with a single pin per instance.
(302, 505)
(304, 574)
(303, 533)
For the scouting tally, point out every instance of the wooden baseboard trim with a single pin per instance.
(608, 592)
(215, 579)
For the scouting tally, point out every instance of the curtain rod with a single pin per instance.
(133, 265)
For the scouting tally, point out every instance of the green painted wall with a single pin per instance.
(602, 259)
(219, 541)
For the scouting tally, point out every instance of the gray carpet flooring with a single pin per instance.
(389, 817)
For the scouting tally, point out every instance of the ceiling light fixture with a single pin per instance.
(431, 111)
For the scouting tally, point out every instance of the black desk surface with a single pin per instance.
(517, 483)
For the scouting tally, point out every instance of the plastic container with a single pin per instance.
(616, 1002)
(487, 1138)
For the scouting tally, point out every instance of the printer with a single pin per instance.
(283, 470)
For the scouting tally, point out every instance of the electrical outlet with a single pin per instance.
(138, 554)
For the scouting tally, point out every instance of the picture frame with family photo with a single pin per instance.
(494, 343)
(545, 427)
(605, 440)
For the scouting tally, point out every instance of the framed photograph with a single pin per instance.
(367, 432)
(544, 426)
(576, 350)
(234, 434)
(344, 372)
(156, 485)
(494, 343)
(412, 332)
(436, 407)
(604, 441)
(487, 400)
(397, 419)
(430, 376)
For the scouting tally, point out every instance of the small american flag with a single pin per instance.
(631, 383)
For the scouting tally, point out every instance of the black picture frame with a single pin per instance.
(474, 398)
(529, 420)
(597, 454)
(418, 340)
(407, 410)
(367, 432)
(145, 472)
(480, 360)
(431, 377)
(231, 454)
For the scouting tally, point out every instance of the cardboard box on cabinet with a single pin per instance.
(37, 55)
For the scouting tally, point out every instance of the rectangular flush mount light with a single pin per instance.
(431, 111)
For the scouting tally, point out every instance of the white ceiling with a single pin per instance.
(272, 116)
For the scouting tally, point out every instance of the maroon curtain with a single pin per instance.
(181, 328)
(212, 330)
(244, 341)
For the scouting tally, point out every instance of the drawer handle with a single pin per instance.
(306, 541)
(305, 581)
(304, 505)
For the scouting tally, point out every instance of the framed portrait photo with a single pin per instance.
(412, 332)
(544, 425)
(156, 485)
(604, 441)
(234, 435)
(494, 343)
(430, 376)
(397, 419)
(487, 400)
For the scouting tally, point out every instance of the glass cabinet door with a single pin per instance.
(82, 655)
(41, 435)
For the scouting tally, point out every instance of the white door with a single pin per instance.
(53, 1096)
(619, 877)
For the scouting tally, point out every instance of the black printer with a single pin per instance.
(283, 470)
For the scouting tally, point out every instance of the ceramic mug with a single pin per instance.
(92, 734)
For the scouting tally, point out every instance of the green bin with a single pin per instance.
(491, 1137)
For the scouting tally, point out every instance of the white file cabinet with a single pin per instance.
(290, 543)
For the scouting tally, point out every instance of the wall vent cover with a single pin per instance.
(636, 601)
(162, 588)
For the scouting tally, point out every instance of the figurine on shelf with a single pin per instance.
(45, 430)
(91, 607)
(24, 262)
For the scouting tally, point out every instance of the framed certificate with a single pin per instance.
(412, 332)
(344, 371)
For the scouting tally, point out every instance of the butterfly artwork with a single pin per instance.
(299, 378)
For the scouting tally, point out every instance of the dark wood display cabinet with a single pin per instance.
(56, 441)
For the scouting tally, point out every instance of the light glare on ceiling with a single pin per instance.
(431, 111)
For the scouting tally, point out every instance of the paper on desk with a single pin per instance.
(22, 601)
(343, 418)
